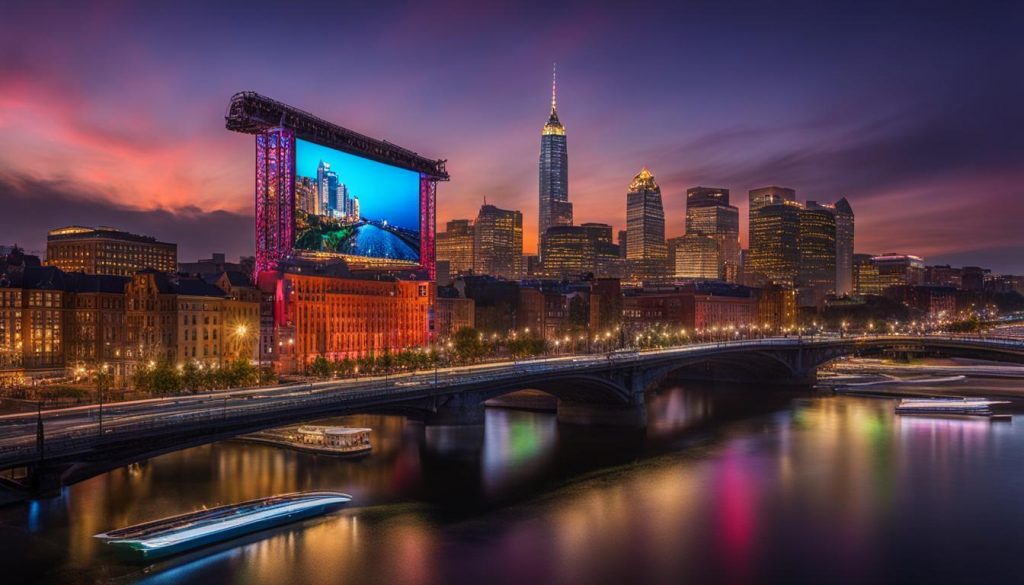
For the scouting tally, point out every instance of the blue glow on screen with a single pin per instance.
(388, 206)
(384, 191)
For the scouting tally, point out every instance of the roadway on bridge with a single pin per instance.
(18, 432)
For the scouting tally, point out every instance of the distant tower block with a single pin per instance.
(275, 196)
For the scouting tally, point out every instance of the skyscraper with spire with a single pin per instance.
(555, 208)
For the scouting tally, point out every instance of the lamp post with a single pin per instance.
(40, 440)
(437, 361)
(100, 383)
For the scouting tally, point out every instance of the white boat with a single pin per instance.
(956, 405)
(322, 440)
(187, 531)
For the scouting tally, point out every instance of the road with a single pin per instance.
(18, 432)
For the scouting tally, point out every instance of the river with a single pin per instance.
(375, 242)
(726, 485)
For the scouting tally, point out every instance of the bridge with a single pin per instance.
(41, 451)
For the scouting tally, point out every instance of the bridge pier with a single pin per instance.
(605, 415)
(455, 427)
(39, 480)
(46, 481)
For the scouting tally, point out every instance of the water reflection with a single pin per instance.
(726, 485)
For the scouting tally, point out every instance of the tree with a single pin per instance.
(192, 378)
(321, 368)
(345, 366)
(468, 343)
(241, 373)
(160, 379)
(104, 380)
(267, 375)
(971, 325)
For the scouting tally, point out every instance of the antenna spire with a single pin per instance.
(554, 87)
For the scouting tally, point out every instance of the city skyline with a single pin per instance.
(842, 121)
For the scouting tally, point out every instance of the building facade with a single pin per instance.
(866, 280)
(844, 246)
(571, 251)
(498, 242)
(689, 308)
(151, 318)
(646, 250)
(709, 214)
(456, 246)
(695, 257)
(816, 273)
(95, 326)
(568, 251)
(776, 308)
(345, 317)
(33, 303)
(774, 253)
(452, 314)
(107, 251)
(898, 269)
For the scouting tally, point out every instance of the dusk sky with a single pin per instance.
(112, 113)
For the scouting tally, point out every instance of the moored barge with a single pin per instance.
(321, 440)
(948, 406)
(183, 532)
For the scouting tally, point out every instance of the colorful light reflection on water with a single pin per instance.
(725, 487)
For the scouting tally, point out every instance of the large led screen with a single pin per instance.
(354, 206)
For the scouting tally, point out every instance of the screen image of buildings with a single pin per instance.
(355, 207)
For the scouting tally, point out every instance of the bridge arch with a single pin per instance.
(576, 387)
(731, 367)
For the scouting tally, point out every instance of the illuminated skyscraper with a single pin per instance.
(866, 280)
(706, 197)
(645, 228)
(774, 255)
(555, 208)
(816, 276)
(769, 196)
(327, 187)
(898, 269)
(568, 251)
(844, 247)
(696, 257)
(455, 245)
(498, 242)
(344, 201)
(708, 213)
(306, 195)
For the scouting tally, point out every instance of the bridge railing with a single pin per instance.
(71, 431)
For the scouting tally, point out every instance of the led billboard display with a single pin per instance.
(356, 207)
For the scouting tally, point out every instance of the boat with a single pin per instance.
(175, 534)
(953, 405)
(321, 440)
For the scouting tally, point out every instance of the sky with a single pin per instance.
(112, 112)
(384, 192)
